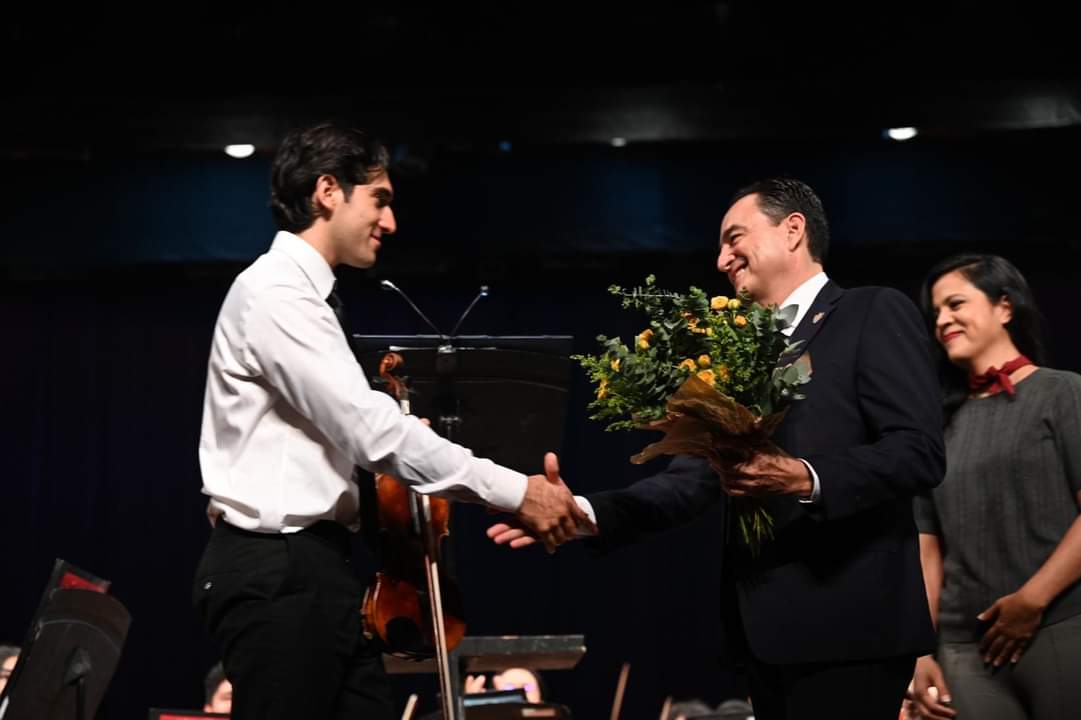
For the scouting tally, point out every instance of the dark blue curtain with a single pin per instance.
(113, 274)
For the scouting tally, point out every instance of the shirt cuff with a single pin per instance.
(587, 508)
(816, 491)
(505, 489)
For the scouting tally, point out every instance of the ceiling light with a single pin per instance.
(900, 134)
(239, 151)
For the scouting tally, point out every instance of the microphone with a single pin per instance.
(482, 294)
(388, 285)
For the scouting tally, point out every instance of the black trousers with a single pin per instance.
(284, 612)
(864, 690)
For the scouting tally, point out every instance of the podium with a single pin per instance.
(503, 397)
(71, 650)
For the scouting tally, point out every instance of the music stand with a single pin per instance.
(70, 652)
(503, 397)
(518, 711)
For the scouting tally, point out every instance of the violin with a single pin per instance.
(412, 608)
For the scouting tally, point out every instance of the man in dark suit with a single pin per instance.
(829, 618)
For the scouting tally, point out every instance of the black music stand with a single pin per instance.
(516, 711)
(503, 397)
(70, 652)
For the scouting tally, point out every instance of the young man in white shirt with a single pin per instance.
(287, 415)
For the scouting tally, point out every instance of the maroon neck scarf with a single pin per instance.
(995, 380)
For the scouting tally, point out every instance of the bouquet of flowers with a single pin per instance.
(707, 372)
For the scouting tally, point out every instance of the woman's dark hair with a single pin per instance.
(348, 155)
(997, 278)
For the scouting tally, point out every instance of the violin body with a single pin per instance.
(412, 608)
(397, 609)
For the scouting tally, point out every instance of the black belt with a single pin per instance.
(332, 533)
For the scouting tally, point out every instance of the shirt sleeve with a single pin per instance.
(1067, 429)
(923, 509)
(294, 341)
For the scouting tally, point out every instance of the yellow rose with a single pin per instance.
(722, 371)
(718, 303)
(734, 304)
(689, 364)
(615, 364)
(706, 376)
(602, 391)
(643, 339)
(739, 320)
(704, 361)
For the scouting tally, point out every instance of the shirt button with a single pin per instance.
(207, 585)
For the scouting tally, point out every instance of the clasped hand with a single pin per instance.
(765, 475)
(549, 513)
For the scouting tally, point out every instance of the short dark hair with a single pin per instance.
(689, 709)
(347, 154)
(780, 197)
(214, 679)
(997, 278)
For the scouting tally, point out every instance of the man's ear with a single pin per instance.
(328, 193)
(795, 226)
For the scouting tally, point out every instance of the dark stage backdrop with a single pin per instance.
(114, 269)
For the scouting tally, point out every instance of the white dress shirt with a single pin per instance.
(288, 411)
(802, 297)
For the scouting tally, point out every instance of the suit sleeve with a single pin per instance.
(898, 397)
(686, 489)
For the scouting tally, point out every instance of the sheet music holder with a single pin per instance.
(517, 711)
(503, 397)
(479, 654)
(70, 652)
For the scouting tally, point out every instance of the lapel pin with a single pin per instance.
(816, 318)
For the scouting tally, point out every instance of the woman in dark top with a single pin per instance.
(1000, 539)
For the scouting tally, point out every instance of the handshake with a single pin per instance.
(548, 513)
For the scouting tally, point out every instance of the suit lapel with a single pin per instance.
(813, 320)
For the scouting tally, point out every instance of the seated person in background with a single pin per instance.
(734, 709)
(219, 691)
(510, 679)
(688, 709)
(9, 654)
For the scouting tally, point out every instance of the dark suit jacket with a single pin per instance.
(841, 579)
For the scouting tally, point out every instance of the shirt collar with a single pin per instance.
(803, 297)
(308, 258)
